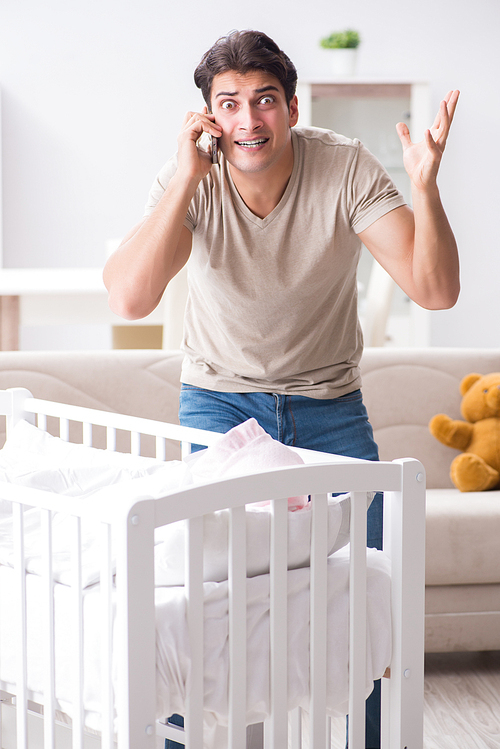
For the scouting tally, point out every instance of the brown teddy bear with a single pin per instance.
(478, 467)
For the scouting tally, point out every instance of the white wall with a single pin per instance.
(94, 93)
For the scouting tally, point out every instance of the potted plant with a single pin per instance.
(343, 51)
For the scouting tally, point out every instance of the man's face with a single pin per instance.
(255, 120)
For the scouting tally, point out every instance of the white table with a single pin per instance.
(52, 296)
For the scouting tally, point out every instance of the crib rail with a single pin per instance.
(18, 403)
(127, 532)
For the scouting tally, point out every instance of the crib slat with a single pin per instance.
(77, 610)
(296, 728)
(49, 704)
(277, 727)
(161, 448)
(357, 622)
(111, 438)
(237, 585)
(106, 581)
(135, 443)
(21, 686)
(41, 422)
(64, 429)
(194, 593)
(319, 600)
(87, 434)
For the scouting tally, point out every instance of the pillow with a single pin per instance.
(246, 449)
(170, 547)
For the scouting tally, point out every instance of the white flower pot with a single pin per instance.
(343, 62)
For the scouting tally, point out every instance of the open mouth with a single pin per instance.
(252, 143)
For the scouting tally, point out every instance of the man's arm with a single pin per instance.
(417, 248)
(155, 250)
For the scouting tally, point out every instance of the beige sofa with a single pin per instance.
(402, 390)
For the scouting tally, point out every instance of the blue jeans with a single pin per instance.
(338, 425)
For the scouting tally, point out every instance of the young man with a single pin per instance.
(273, 232)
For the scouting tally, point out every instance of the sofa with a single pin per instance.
(403, 389)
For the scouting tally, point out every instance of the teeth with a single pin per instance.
(251, 143)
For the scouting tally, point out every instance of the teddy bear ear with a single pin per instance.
(468, 381)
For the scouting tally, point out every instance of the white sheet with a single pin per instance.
(172, 648)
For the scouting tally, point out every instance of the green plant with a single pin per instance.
(341, 40)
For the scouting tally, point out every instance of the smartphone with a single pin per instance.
(215, 145)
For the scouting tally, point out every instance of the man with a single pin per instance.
(273, 232)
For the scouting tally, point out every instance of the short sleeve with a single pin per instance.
(158, 188)
(372, 193)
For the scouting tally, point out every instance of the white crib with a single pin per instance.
(128, 700)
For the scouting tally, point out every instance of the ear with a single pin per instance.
(294, 111)
(468, 381)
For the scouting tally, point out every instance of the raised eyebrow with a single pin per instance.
(266, 88)
(257, 91)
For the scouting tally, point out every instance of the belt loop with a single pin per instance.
(294, 425)
(279, 415)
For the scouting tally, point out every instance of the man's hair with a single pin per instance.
(243, 51)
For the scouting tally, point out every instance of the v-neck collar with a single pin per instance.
(242, 206)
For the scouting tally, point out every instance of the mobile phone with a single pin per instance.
(215, 145)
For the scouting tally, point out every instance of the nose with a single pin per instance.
(250, 120)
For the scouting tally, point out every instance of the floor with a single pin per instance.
(461, 702)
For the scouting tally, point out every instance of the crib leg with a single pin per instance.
(404, 537)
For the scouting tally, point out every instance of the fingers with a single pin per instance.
(194, 145)
(451, 103)
(196, 123)
(442, 123)
(444, 117)
(432, 145)
(404, 134)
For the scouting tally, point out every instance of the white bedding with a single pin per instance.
(172, 647)
(33, 458)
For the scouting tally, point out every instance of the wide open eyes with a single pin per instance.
(229, 105)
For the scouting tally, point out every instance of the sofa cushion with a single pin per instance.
(463, 537)
(404, 388)
(135, 382)
(457, 599)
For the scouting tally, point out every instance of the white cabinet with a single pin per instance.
(369, 110)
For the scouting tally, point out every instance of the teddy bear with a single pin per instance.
(478, 467)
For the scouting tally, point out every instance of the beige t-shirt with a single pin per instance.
(272, 302)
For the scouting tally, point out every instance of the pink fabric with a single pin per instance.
(246, 448)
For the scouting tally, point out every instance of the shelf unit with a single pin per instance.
(369, 110)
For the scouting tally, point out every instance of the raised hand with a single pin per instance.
(194, 161)
(422, 160)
